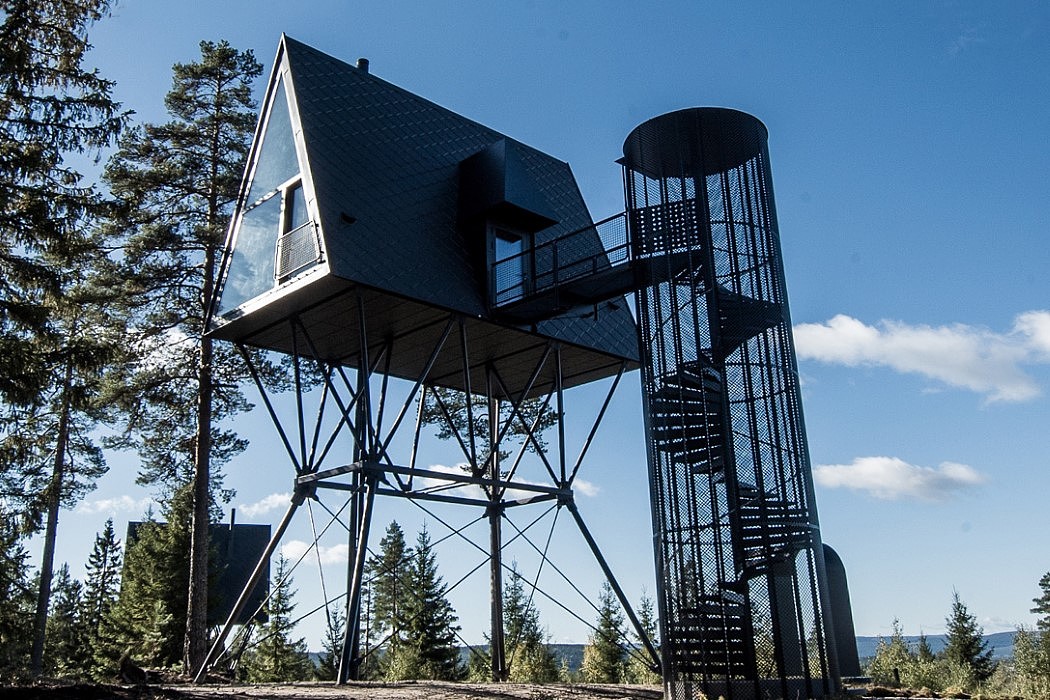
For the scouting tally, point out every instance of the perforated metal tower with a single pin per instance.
(743, 594)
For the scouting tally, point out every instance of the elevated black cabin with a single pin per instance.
(364, 201)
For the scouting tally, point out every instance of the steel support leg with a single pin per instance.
(249, 587)
(642, 635)
(350, 662)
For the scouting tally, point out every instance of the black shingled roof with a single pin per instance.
(388, 161)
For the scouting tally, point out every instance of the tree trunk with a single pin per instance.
(54, 501)
(196, 645)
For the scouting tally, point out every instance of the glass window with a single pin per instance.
(251, 265)
(296, 214)
(277, 162)
(511, 266)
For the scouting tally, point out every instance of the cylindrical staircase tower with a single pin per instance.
(743, 594)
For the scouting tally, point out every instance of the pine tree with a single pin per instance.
(447, 410)
(604, 657)
(276, 657)
(16, 600)
(176, 183)
(428, 648)
(638, 668)
(65, 652)
(965, 643)
(50, 356)
(52, 107)
(59, 458)
(530, 658)
(1042, 604)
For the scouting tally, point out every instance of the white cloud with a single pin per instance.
(1035, 325)
(268, 504)
(586, 488)
(336, 554)
(891, 478)
(958, 355)
(112, 506)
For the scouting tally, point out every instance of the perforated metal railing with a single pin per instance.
(297, 250)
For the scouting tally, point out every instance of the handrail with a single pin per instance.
(551, 263)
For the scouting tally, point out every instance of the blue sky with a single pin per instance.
(911, 162)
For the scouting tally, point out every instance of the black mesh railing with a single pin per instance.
(297, 250)
(572, 256)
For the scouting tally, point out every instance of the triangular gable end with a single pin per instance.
(275, 237)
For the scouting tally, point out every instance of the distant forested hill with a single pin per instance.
(1001, 644)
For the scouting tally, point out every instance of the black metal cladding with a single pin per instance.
(397, 224)
(739, 560)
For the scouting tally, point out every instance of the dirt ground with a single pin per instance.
(408, 690)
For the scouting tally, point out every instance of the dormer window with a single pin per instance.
(511, 265)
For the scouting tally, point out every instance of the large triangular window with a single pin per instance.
(275, 237)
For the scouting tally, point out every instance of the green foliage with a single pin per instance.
(16, 603)
(965, 643)
(529, 657)
(638, 666)
(52, 107)
(175, 184)
(426, 647)
(479, 666)
(604, 657)
(66, 651)
(1032, 662)
(447, 410)
(388, 578)
(1042, 604)
(892, 659)
(328, 662)
(276, 657)
(102, 581)
(148, 617)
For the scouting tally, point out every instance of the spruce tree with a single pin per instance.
(59, 460)
(148, 618)
(52, 107)
(276, 657)
(328, 661)
(639, 669)
(65, 651)
(428, 648)
(16, 600)
(892, 658)
(1042, 604)
(530, 658)
(101, 581)
(176, 183)
(965, 644)
(388, 579)
(923, 652)
(604, 657)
